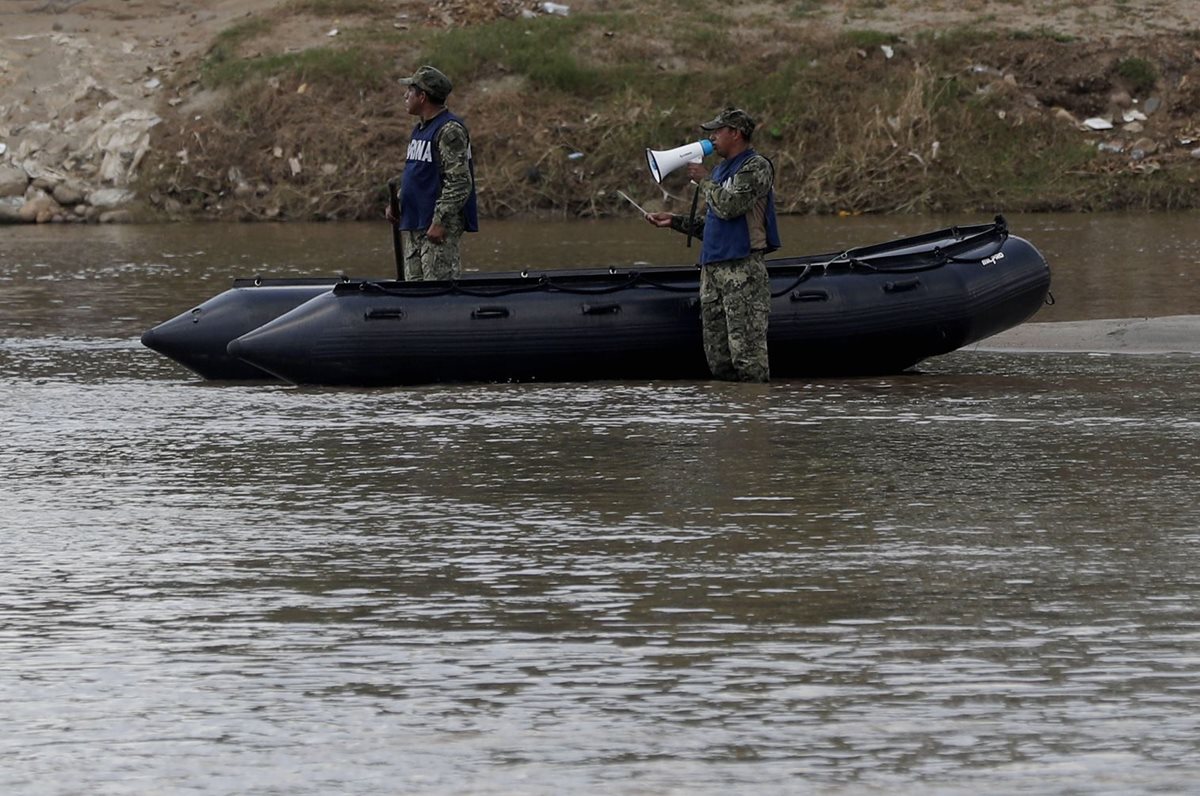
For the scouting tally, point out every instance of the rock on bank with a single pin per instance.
(77, 171)
(81, 85)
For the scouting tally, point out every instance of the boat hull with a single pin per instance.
(874, 310)
(199, 338)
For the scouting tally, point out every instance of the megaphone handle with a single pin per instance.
(692, 216)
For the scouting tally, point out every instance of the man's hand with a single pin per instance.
(659, 219)
(436, 233)
(696, 171)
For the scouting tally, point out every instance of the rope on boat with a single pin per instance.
(645, 280)
(452, 288)
(804, 275)
(844, 260)
(543, 283)
(633, 278)
(940, 259)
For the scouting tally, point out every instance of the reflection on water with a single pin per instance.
(975, 578)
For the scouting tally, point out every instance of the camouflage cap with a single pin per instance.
(736, 118)
(430, 80)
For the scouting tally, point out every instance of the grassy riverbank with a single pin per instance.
(980, 117)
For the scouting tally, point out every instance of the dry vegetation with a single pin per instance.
(874, 118)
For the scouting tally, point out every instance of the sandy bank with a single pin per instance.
(1167, 335)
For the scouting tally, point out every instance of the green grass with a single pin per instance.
(867, 39)
(1138, 72)
(1040, 33)
(338, 8)
(545, 50)
(785, 88)
(805, 8)
(354, 58)
(957, 39)
(357, 68)
(704, 42)
(1021, 162)
(223, 52)
(222, 63)
(539, 49)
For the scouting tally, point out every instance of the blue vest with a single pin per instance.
(422, 180)
(729, 239)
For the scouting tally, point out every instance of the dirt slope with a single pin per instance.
(83, 82)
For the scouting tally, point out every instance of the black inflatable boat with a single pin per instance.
(872, 310)
(198, 339)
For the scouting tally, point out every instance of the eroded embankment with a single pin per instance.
(290, 110)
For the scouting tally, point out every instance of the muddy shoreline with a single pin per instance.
(1176, 334)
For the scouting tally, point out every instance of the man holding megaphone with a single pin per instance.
(737, 231)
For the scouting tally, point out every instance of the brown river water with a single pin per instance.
(977, 577)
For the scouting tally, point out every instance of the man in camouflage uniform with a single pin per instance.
(437, 200)
(737, 232)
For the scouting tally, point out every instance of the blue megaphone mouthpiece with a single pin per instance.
(664, 161)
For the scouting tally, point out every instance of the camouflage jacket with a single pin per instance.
(750, 185)
(454, 152)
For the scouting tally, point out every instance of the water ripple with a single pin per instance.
(975, 577)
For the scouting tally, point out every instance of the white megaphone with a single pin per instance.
(663, 162)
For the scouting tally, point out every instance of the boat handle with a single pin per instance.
(383, 315)
(810, 295)
(611, 308)
(901, 285)
(481, 313)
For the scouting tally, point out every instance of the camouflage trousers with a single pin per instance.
(735, 304)
(424, 259)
